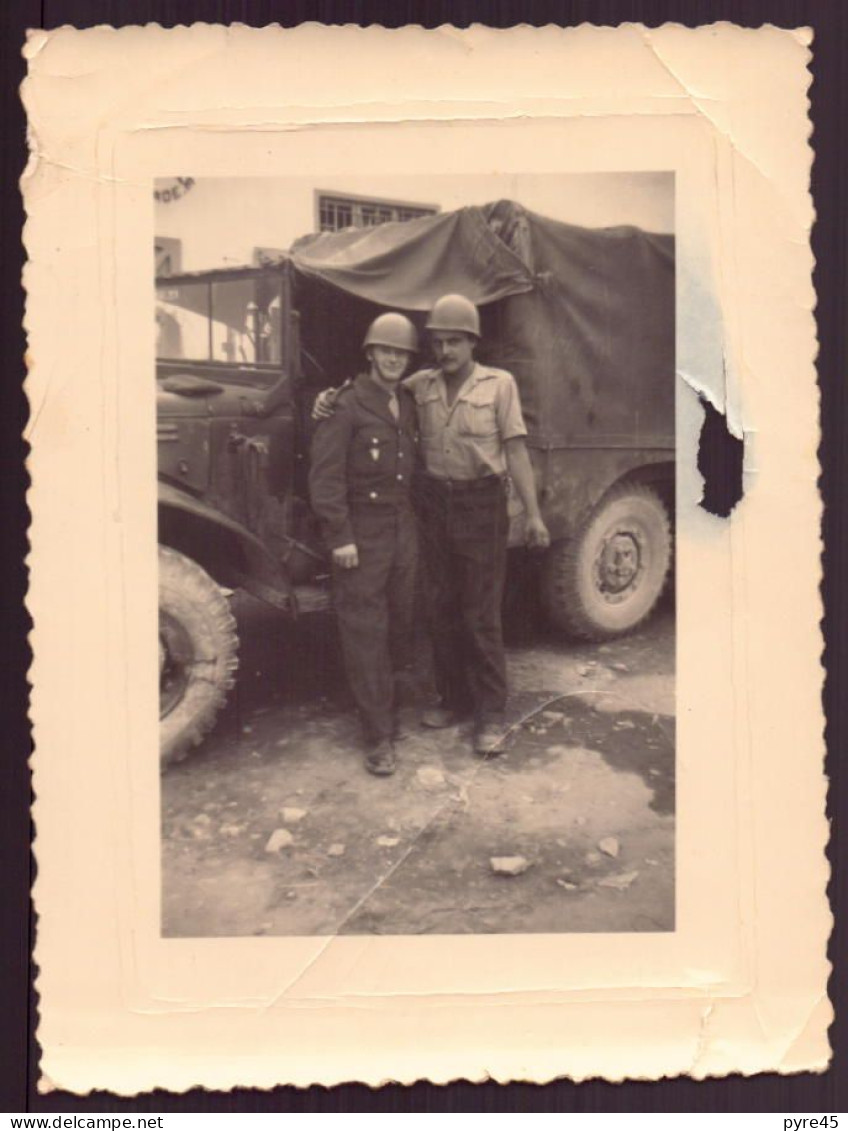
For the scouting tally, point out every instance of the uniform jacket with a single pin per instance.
(362, 458)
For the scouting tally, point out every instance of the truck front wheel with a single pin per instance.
(607, 578)
(197, 653)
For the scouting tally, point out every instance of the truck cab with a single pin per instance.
(232, 509)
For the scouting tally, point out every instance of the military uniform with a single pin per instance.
(462, 503)
(360, 479)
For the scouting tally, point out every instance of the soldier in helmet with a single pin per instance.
(359, 482)
(472, 441)
(471, 433)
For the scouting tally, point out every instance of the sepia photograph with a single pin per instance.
(416, 512)
(404, 708)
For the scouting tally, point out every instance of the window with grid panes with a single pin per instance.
(335, 213)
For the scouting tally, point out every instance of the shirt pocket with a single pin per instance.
(428, 405)
(477, 416)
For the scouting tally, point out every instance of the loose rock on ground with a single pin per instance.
(509, 865)
(279, 838)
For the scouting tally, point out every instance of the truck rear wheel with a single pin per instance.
(607, 578)
(197, 653)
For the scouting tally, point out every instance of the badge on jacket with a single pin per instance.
(375, 449)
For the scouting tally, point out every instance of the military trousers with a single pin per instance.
(464, 528)
(374, 606)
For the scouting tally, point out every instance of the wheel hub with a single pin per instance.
(619, 564)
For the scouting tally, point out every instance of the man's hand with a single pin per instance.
(521, 473)
(325, 404)
(346, 557)
(536, 533)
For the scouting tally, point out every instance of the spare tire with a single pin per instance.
(607, 579)
(197, 653)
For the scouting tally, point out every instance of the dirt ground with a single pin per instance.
(273, 827)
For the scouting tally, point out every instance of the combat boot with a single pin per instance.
(381, 759)
(438, 718)
(488, 739)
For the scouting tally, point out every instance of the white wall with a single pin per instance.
(221, 220)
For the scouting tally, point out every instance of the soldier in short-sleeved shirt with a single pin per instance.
(471, 438)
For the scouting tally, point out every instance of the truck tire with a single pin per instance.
(607, 579)
(197, 653)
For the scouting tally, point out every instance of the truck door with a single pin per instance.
(253, 428)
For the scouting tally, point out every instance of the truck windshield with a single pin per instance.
(231, 321)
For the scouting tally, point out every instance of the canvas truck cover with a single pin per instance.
(583, 318)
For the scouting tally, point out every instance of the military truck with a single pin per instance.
(583, 318)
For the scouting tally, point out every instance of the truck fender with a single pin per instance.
(226, 549)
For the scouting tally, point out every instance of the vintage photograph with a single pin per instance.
(475, 749)
(416, 454)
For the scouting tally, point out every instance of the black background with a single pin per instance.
(808, 1093)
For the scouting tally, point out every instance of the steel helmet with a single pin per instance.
(394, 330)
(455, 312)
